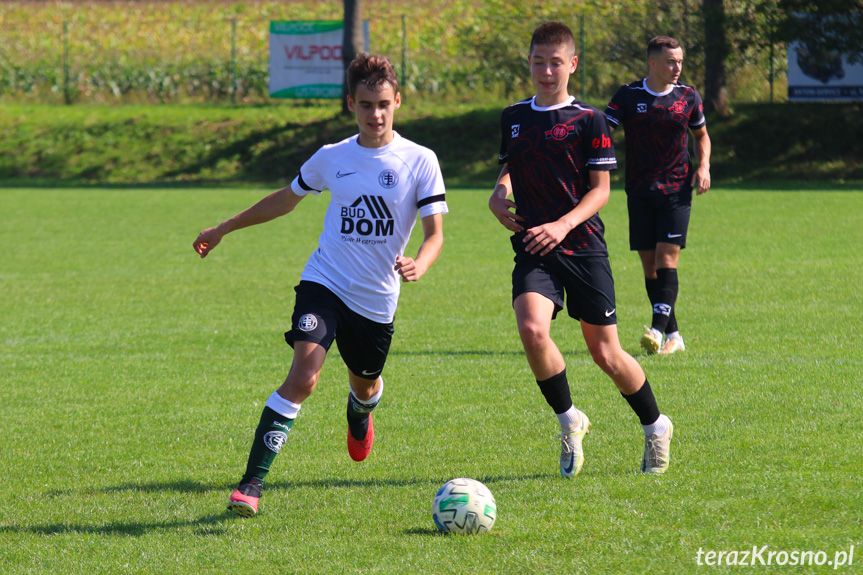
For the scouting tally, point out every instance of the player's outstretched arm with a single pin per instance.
(502, 207)
(543, 239)
(701, 178)
(271, 207)
(413, 269)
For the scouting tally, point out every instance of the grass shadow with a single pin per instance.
(118, 528)
(212, 524)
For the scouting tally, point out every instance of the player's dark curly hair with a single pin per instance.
(657, 43)
(552, 34)
(371, 71)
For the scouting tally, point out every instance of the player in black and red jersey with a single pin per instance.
(557, 153)
(657, 114)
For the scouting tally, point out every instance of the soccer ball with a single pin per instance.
(464, 506)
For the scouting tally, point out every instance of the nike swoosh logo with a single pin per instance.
(674, 235)
(339, 174)
(608, 313)
(568, 469)
(368, 372)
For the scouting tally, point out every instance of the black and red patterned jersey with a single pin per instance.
(657, 136)
(550, 152)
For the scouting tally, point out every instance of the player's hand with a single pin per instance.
(543, 239)
(501, 207)
(408, 269)
(206, 241)
(701, 179)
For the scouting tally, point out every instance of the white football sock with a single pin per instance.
(373, 400)
(282, 406)
(569, 419)
(658, 427)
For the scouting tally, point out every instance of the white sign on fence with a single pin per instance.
(817, 76)
(306, 58)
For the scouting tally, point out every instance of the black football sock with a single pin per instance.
(650, 285)
(643, 403)
(271, 434)
(358, 417)
(671, 326)
(666, 296)
(555, 389)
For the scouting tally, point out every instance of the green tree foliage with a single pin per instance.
(824, 26)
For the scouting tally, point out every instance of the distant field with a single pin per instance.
(133, 374)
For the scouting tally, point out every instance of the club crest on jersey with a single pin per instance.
(367, 216)
(559, 132)
(515, 128)
(388, 178)
(641, 108)
(678, 107)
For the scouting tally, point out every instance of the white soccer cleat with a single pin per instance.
(673, 345)
(651, 340)
(571, 455)
(657, 451)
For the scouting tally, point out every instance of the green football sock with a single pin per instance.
(271, 434)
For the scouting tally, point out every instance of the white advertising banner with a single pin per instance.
(819, 76)
(306, 58)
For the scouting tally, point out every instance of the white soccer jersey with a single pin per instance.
(376, 195)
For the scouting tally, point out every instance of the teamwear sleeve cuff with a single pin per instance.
(300, 188)
(432, 209)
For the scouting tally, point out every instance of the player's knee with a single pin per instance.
(604, 356)
(300, 384)
(533, 335)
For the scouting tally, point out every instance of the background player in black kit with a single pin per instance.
(657, 113)
(557, 153)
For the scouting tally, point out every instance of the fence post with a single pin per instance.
(404, 48)
(67, 97)
(234, 60)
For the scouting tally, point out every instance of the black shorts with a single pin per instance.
(655, 219)
(586, 281)
(321, 317)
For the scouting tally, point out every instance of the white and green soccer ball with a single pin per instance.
(464, 506)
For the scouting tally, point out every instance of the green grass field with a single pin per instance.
(133, 375)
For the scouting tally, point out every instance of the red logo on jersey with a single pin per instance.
(559, 132)
(678, 107)
(603, 142)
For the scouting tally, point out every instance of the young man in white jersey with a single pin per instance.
(349, 288)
